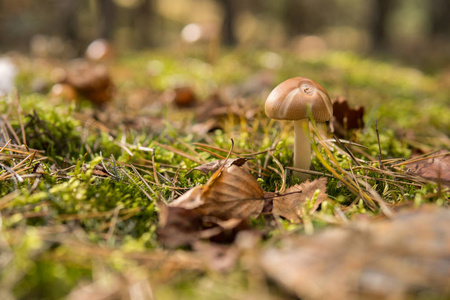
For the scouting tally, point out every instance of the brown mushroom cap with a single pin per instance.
(290, 99)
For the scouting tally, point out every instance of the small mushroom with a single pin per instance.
(290, 101)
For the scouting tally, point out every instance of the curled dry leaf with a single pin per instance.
(434, 169)
(346, 118)
(215, 165)
(400, 258)
(231, 192)
(289, 204)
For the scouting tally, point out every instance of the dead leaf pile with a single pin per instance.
(229, 198)
(392, 259)
(345, 119)
(222, 207)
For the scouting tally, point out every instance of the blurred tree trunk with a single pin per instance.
(378, 28)
(106, 24)
(68, 18)
(440, 19)
(307, 17)
(228, 25)
(296, 17)
(1, 24)
(144, 17)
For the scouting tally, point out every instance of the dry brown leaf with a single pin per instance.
(234, 194)
(434, 169)
(391, 259)
(183, 96)
(90, 81)
(219, 258)
(346, 118)
(178, 226)
(231, 192)
(289, 204)
(215, 165)
(183, 227)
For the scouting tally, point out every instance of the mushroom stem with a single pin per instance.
(302, 148)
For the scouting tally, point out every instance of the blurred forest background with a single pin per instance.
(415, 31)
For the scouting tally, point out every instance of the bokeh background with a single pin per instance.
(413, 31)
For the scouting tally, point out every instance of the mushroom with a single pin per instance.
(291, 100)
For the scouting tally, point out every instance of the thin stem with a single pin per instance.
(302, 148)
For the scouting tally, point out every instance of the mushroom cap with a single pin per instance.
(291, 98)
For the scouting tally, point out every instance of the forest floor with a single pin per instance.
(180, 187)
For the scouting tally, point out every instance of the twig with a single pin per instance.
(155, 173)
(19, 112)
(380, 156)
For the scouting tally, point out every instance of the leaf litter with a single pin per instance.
(435, 168)
(405, 253)
(289, 205)
(389, 259)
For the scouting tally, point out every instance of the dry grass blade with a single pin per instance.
(19, 113)
(311, 172)
(281, 173)
(10, 130)
(142, 190)
(5, 145)
(421, 158)
(179, 152)
(267, 173)
(142, 179)
(203, 146)
(345, 178)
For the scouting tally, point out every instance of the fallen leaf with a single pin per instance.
(231, 192)
(290, 203)
(403, 257)
(183, 96)
(184, 227)
(219, 258)
(235, 194)
(90, 81)
(215, 165)
(345, 118)
(178, 226)
(434, 169)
